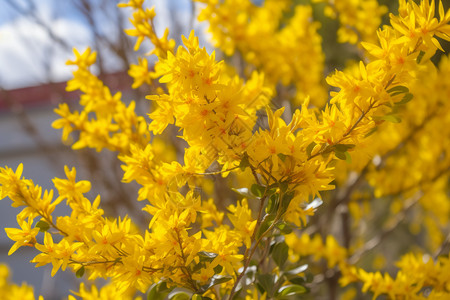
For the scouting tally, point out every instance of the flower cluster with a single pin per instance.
(287, 50)
(359, 20)
(105, 121)
(198, 247)
(10, 291)
(215, 111)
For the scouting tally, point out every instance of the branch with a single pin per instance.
(375, 241)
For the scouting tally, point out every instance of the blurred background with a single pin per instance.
(36, 39)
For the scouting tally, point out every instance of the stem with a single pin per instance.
(88, 263)
(185, 270)
(247, 261)
(216, 172)
(157, 42)
(248, 258)
(40, 212)
(329, 148)
(119, 251)
(442, 248)
(259, 219)
(361, 117)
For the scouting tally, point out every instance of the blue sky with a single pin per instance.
(28, 56)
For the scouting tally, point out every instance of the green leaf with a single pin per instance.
(348, 157)
(399, 89)
(216, 280)
(272, 204)
(284, 186)
(408, 97)
(286, 200)
(393, 95)
(43, 226)
(220, 279)
(371, 131)
(80, 272)
(391, 118)
(237, 294)
(265, 224)
(271, 191)
(282, 156)
(180, 294)
(258, 190)
(420, 56)
(309, 277)
(206, 256)
(198, 267)
(291, 290)
(265, 283)
(298, 280)
(244, 162)
(217, 269)
(310, 148)
(196, 297)
(284, 227)
(325, 154)
(340, 155)
(158, 291)
(297, 270)
(280, 253)
(344, 147)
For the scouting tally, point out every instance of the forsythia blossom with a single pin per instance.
(201, 242)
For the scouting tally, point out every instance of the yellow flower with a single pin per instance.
(109, 237)
(70, 189)
(136, 4)
(11, 291)
(106, 292)
(140, 73)
(227, 259)
(84, 60)
(241, 218)
(26, 236)
(205, 274)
